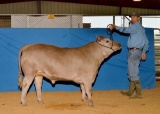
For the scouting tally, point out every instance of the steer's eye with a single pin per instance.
(107, 41)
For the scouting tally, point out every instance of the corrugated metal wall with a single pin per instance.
(72, 8)
(19, 8)
(126, 11)
(47, 7)
(5, 22)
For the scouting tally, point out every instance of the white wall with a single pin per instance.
(38, 21)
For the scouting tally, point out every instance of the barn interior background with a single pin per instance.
(67, 24)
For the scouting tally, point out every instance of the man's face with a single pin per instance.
(135, 19)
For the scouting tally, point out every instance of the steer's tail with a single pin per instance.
(20, 77)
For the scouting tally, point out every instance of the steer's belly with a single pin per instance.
(63, 76)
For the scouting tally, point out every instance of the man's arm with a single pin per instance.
(146, 45)
(145, 49)
(131, 29)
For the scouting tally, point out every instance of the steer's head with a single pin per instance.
(107, 43)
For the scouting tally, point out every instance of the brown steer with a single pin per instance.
(79, 65)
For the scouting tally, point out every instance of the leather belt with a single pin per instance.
(134, 48)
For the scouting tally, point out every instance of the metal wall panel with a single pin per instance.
(128, 11)
(73, 8)
(5, 23)
(19, 8)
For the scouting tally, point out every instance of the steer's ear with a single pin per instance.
(99, 38)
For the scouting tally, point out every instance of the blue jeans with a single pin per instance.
(134, 58)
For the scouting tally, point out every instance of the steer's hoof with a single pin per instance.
(24, 104)
(40, 102)
(84, 99)
(90, 103)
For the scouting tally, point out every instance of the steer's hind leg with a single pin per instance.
(26, 84)
(84, 97)
(88, 88)
(38, 85)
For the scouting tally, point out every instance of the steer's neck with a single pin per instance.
(97, 52)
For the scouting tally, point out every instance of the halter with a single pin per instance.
(106, 46)
(109, 32)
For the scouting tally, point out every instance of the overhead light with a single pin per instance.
(136, 0)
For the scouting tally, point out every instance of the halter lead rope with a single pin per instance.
(110, 32)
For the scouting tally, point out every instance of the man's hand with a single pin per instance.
(143, 57)
(111, 27)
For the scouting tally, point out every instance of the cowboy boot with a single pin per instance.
(138, 90)
(130, 91)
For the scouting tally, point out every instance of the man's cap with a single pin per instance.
(135, 14)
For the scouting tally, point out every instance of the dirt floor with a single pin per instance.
(105, 102)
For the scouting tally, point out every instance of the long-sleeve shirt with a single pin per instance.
(137, 38)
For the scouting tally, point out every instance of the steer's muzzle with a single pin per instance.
(119, 45)
(116, 46)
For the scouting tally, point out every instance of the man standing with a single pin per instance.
(137, 46)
